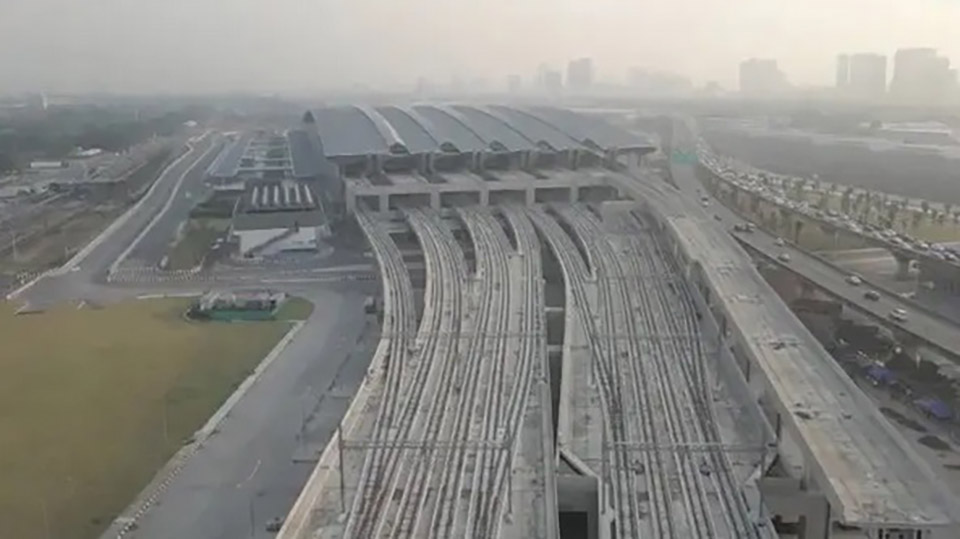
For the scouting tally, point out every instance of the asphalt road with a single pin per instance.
(936, 331)
(77, 277)
(153, 245)
(253, 468)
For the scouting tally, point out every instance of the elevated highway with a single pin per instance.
(923, 325)
(831, 436)
(904, 253)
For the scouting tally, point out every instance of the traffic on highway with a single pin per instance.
(889, 308)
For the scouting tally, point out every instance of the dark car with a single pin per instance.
(274, 525)
(872, 295)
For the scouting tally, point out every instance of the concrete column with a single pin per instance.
(351, 202)
(484, 196)
(903, 267)
(784, 496)
(531, 196)
(574, 159)
(478, 162)
(581, 494)
(573, 194)
(435, 200)
(384, 203)
(815, 522)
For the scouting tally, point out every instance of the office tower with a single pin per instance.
(920, 76)
(580, 74)
(843, 71)
(514, 84)
(868, 75)
(761, 78)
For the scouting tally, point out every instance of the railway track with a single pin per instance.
(648, 258)
(648, 365)
(405, 435)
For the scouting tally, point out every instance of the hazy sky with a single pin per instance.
(282, 45)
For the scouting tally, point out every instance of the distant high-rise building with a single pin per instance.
(868, 75)
(549, 79)
(514, 83)
(553, 80)
(761, 78)
(921, 76)
(423, 85)
(843, 71)
(580, 74)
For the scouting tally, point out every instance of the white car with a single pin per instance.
(899, 315)
(854, 280)
(779, 242)
(783, 257)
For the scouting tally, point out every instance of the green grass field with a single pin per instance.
(94, 401)
(295, 309)
(194, 242)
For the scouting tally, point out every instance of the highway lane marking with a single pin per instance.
(120, 221)
(164, 209)
(249, 477)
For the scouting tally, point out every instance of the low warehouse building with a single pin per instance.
(278, 216)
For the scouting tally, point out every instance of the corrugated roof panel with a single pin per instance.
(583, 128)
(494, 129)
(536, 129)
(348, 131)
(228, 161)
(452, 129)
(415, 137)
(387, 131)
(303, 154)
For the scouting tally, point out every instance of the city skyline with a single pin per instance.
(200, 46)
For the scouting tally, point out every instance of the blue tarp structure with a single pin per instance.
(935, 407)
(880, 375)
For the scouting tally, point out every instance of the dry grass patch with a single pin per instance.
(94, 401)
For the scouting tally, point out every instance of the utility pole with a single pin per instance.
(343, 486)
(166, 432)
(46, 517)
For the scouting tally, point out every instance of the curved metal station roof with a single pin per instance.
(415, 136)
(348, 131)
(359, 130)
(537, 130)
(451, 129)
(493, 130)
(307, 157)
(589, 130)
